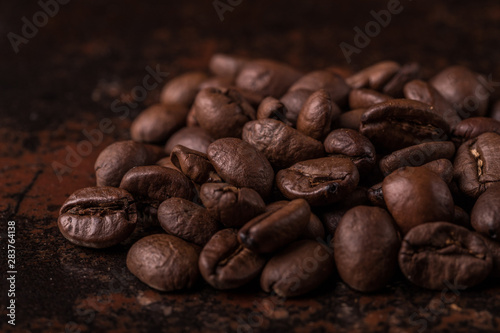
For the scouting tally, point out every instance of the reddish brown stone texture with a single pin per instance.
(65, 80)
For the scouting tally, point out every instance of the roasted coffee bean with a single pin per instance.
(442, 255)
(443, 168)
(194, 165)
(182, 89)
(366, 246)
(424, 92)
(195, 138)
(316, 116)
(230, 205)
(187, 220)
(271, 107)
(400, 123)
(158, 122)
(330, 81)
(226, 65)
(353, 145)
(405, 74)
(459, 85)
(167, 163)
(494, 248)
(415, 196)
(485, 216)
(98, 217)
(151, 185)
(376, 195)
(266, 77)
(364, 98)
(269, 136)
(351, 119)
(477, 164)
(293, 101)
(473, 127)
(242, 165)
(417, 155)
(298, 269)
(164, 262)
(217, 82)
(271, 231)
(225, 263)
(375, 76)
(191, 120)
(118, 158)
(319, 181)
(222, 112)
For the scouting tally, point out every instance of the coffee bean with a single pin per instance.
(157, 123)
(364, 98)
(242, 165)
(473, 127)
(164, 262)
(187, 220)
(443, 168)
(415, 196)
(477, 164)
(316, 116)
(195, 138)
(494, 248)
(222, 112)
(417, 155)
(353, 145)
(98, 217)
(366, 246)
(194, 164)
(118, 158)
(351, 119)
(485, 216)
(319, 181)
(330, 81)
(405, 74)
(375, 76)
(272, 108)
(271, 231)
(226, 65)
(232, 206)
(225, 263)
(217, 82)
(182, 89)
(167, 163)
(298, 269)
(293, 101)
(376, 195)
(400, 123)
(440, 255)
(268, 136)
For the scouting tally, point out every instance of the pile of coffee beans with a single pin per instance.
(260, 171)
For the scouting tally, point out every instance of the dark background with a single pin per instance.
(91, 53)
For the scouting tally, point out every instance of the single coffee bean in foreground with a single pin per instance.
(164, 262)
(443, 255)
(366, 246)
(98, 217)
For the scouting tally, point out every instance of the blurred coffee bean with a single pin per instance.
(351, 119)
(405, 74)
(226, 64)
(364, 98)
(485, 216)
(330, 81)
(194, 138)
(158, 122)
(375, 76)
(473, 127)
(293, 101)
(182, 89)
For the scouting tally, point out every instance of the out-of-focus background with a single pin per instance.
(64, 63)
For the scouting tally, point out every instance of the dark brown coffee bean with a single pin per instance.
(366, 246)
(424, 92)
(194, 165)
(473, 127)
(271, 231)
(494, 248)
(376, 195)
(443, 168)
(485, 216)
(225, 263)
(353, 145)
(267, 77)
(191, 120)
(187, 220)
(217, 82)
(415, 196)
(316, 116)
(222, 112)
(242, 165)
(269, 136)
(158, 122)
(167, 163)
(364, 98)
(164, 262)
(226, 65)
(195, 138)
(441, 255)
(298, 269)
(477, 164)
(417, 155)
(118, 158)
(98, 217)
(182, 89)
(151, 185)
(400, 123)
(351, 119)
(230, 205)
(330, 81)
(466, 90)
(272, 108)
(405, 74)
(319, 181)
(293, 101)
(375, 76)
